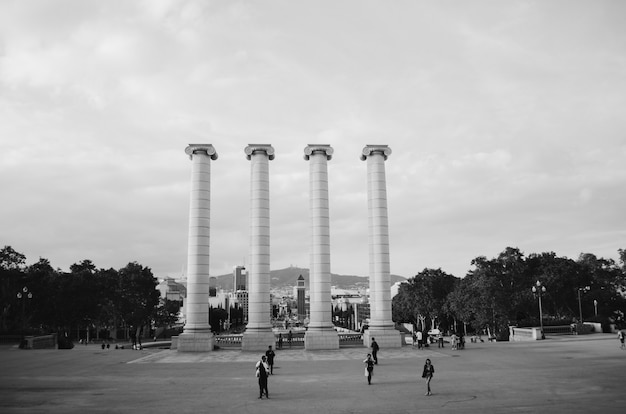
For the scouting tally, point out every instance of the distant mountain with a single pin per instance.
(287, 278)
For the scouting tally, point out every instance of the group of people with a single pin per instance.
(265, 367)
(421, 340)
(372, 359)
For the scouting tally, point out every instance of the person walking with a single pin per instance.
(270, 359)
(620, 336)
(289, 338)
(280, 341)
(419, 340)
(427, 374)
(375, 349)
(414, 339)
(261, 374)
(369, 368)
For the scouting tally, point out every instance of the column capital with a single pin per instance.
(201, 148)
(384, 150)
(266, 148)
(313, 148)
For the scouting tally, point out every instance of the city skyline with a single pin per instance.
(505, 121)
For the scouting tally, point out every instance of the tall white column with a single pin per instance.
(320, 333)
(258, 335)
(381, 324)
(197, 336)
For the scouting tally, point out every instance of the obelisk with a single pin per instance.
(381, 324)
(258, 335)
(197, 336)
(320, 333)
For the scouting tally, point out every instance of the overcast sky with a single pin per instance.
(507, 122)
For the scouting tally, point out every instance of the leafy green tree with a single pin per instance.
(12, 280)
(167, 312)
(217, 316)
(42, 281)
(137, 297)
(423, 298)
(11, 259)
(493, 291)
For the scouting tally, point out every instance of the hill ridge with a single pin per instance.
(287, 278)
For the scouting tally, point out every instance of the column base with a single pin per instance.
(195, 342)
(326, 339)
(385, 338)
(258, 340)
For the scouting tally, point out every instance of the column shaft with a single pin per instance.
(320, 333)
(259, 267)
(380, 278)
(196, 334)
(258, 335)
(381, 324)
(321, 316)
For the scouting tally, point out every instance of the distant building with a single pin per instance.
(240, 278)
(170, 289)
(212, 286)
(240, 298)
(300, 301)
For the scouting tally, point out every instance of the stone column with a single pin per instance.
(258, 335)
(321, 333)
(197, 336)
(381, 325)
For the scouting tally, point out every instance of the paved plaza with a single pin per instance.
(584, 374)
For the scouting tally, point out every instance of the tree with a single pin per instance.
(11, 260)
(493, 291)
(167, 312)
(422, 297)
(136, 296)
(12, 279)
(217, 317)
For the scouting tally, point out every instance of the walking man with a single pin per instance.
(289, 338)
(419, 340)
(270, 359)
(620, 336)
(375, 349)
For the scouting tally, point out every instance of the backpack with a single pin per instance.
(260, 370)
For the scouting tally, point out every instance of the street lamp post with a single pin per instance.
(539, 290)
(580, 306)
(23, 295)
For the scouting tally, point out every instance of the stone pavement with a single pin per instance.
(582, 374)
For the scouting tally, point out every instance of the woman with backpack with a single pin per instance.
(369, 368)
(261, 373)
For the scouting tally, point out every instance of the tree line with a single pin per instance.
(116, 303)
(497, 293)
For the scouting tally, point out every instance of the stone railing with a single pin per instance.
(346, 339)
(559, 330)
(350, 339)
(228, 341)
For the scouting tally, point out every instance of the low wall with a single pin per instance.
(41, 342)
(524, 334)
